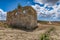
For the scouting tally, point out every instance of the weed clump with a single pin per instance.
(46, 35)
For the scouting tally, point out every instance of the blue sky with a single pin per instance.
(48, 10)
(8, 5)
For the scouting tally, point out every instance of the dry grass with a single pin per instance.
(42, 33)
(3, 25)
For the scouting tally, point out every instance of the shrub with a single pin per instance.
(46, 35)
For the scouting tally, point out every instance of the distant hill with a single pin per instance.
(47, 22)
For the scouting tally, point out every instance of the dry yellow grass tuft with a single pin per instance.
(3, 25)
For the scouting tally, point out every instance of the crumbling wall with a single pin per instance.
(27, 19)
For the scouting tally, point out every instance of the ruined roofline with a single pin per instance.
(24, 8)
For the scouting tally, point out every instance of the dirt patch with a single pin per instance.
(18, 34)
(13, 34)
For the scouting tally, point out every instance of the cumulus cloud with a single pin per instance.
(49, 2)
(44, 14)
(3, 15)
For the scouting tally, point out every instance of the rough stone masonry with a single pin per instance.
(25, 17)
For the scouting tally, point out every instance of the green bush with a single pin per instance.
(46, 35)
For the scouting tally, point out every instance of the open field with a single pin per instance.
(19, 34)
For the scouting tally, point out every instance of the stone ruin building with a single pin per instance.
(25, 17)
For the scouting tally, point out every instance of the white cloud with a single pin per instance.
(50, 2)
(3, 15)
(42, 12)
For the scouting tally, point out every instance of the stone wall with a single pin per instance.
(27, 17)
